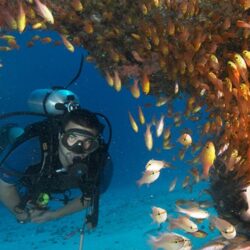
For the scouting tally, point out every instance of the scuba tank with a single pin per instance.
(54, 101)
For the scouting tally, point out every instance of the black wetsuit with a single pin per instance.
(93, 174)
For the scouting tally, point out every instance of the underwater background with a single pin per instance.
(124, 221)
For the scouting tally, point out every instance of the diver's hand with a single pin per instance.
(41, 216)
(23, 217)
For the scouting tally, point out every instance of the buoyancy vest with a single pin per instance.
(44, 178)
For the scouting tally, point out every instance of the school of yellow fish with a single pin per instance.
(168, 49)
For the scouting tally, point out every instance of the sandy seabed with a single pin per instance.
(124, 223)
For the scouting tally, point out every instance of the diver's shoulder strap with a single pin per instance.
(47, 131)
(41, 129)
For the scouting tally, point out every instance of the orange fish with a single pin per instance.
(241, 66)
(134, 89)
(233, 73)
(195, 172)
(145, 84)
(9, 20)
(46, 40)
(214, 63)
(170, 27)
(77, 5)
(185, 139)
(181, 154)
(186, 181)
(246, 56)
(109, 79)
(245, 4)
(215, 81)
(242, 24)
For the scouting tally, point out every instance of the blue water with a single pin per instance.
(124, 209)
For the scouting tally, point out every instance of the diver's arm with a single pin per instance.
(39, 216)
(11, 199)
(75, 205)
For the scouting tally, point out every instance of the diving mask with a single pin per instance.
(80, 141)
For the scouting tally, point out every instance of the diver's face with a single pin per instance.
(73, 135)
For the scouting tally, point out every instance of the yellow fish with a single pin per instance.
(241, 66)
(246, 56)
(109, 79)
(207, 157)
(117, 81)
(148, 137)
(145, 84)
(141, 115)
(134, 89)
(44, 12)
(21, 19)
(133, 122)
(67, 43)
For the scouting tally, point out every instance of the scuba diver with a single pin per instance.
(47, 159)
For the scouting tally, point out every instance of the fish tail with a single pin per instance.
(178, 208)
(153, 241)
(206, 170)
(139, 183)
(172, 225)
